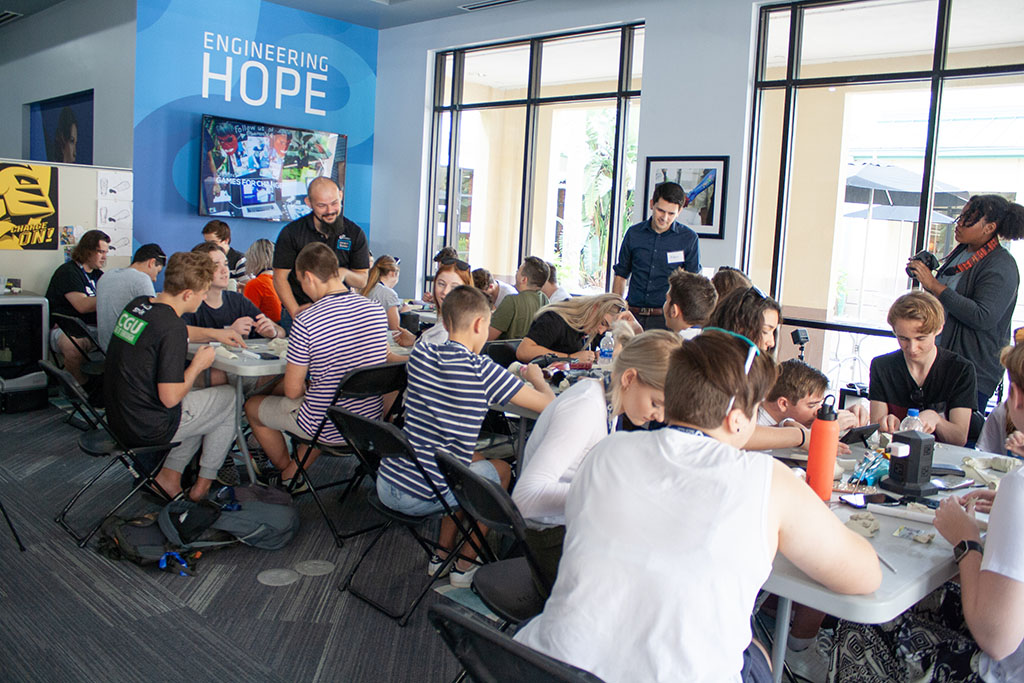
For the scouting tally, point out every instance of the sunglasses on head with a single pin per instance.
(758, 293)
(458, 263)
(397, 260)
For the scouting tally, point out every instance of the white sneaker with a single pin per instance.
(434, 565)
(459, 579)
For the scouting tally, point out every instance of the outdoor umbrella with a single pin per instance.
(894, 186)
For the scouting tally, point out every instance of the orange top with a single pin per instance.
(260, 290)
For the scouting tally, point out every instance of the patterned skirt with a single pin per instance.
(929, 642)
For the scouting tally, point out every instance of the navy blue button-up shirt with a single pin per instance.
(650, 257)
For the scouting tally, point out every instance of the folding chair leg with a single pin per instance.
(84, 540)
(338, 538)
(62, 517)
(14, 532)
(401, 617)
(355, 481)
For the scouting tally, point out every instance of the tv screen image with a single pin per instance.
(261, 170)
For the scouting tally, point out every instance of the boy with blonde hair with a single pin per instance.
(938, 382)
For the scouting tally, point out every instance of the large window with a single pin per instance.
(874, 122)
(535, 152)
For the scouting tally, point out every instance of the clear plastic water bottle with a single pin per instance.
(912, 421)
(607, 348)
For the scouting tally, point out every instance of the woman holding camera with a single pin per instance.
(977, 285)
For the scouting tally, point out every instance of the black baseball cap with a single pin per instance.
(148, 251)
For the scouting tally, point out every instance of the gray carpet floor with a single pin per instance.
(69, 614)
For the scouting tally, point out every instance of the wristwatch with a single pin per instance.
(963, 547)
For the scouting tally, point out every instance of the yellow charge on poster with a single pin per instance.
(28, 206)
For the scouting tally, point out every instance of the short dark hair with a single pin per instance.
(672, 193)
(148, 251)
(535, 270)
(463, 305)
(798, 380)
(727, 279)
(187, 270)
(482, 278)
(88, 245)
(693, 294)
(706, 372)
(742, 311)
(207, 248)
(319, 259)
(218, 229)
(552, 273)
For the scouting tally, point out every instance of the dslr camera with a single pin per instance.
(926, 257)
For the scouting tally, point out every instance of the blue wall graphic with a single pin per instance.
(255, 61)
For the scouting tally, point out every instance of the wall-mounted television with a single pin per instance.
(261, 170)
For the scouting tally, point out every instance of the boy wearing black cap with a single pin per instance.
(118, 287)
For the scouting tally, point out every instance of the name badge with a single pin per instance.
(344, 243)
(676, 256)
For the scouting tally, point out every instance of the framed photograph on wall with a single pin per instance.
(60, 129)
(704, 180)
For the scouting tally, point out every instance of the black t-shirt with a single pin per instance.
(552, 332)
(233, 306)
(149, 346)
(71, 277)
(950, 384)
(351, 248)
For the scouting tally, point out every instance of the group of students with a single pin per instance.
(655, 542)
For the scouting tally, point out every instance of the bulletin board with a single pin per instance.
(46, 207)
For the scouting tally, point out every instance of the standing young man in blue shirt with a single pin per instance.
(650, 251)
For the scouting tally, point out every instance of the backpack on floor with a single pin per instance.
(140, 540)
(248, 518)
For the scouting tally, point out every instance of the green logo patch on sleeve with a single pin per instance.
(129, 328)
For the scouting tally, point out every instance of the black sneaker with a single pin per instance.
(228, 474)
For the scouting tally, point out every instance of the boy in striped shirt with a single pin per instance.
(341, 331)
(450, 387)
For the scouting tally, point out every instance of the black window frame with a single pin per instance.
(623, 96)
(792, 81)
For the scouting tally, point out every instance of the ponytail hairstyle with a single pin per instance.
(1008, 216)
(649, 355)
(385, 265)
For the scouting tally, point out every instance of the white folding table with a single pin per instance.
(920, 569)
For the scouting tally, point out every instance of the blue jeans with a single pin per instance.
(400, 500)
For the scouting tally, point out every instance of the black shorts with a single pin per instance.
(755, 666)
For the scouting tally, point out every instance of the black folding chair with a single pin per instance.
(143, 462)
(372, 441)
(502, 351)
(74, 329)
(366, 382)
(493, 657)
(509, 587)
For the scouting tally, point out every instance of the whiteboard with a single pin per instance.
(79, 204)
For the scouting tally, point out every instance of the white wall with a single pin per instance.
(696, 88)
(73, 46)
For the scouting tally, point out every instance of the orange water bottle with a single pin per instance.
(821, 452)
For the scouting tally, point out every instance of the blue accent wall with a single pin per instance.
(183, 46)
